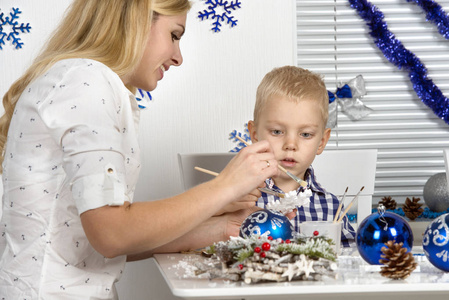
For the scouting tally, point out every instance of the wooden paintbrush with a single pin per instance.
(298, 180)
(265, 190)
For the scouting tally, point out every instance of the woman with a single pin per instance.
(71, 158)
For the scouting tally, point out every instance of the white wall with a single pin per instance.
(197, 105)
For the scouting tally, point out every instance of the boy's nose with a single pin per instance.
(291, 144)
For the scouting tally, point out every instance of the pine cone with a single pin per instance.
(399, 263)
(388, 202)
(412, 209)
(223, 253)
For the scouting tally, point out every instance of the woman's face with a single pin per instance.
(161, 51)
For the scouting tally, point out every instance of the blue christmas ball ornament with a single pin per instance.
(267, 221)
(435, 242)
(377, 229)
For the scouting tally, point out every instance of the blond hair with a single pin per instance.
(112, 32)
(294, 83)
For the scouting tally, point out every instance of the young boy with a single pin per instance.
(291, 112)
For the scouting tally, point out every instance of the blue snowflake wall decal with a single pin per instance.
(143, 95)
(214, 14)
(245, 136)
(16, 28)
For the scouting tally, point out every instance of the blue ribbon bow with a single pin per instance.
(342, 92)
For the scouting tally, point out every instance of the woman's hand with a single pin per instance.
(248, 171)
(245, 202)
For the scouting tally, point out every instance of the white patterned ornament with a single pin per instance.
(269, 222)
(436, 242)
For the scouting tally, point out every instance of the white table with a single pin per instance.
(356, 280)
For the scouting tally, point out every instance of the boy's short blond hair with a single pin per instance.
(294, 83)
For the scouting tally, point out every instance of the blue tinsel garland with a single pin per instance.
(435, 14)
(401, 57)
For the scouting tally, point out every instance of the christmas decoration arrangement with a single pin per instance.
(395, 52)
(398, 261)
(261, 258)
(16, 28)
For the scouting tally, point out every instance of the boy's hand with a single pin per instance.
(291, 214)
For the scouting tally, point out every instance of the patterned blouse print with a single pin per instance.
(72, 146)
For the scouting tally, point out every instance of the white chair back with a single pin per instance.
(211, 161)
(337, 170)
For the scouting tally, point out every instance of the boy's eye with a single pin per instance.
(276, 132)
(306, 134)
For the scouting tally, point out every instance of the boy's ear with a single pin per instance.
(252, 131)
(324, 140)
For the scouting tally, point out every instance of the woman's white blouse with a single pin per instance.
(72, 146)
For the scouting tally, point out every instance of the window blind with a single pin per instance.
(333, 40)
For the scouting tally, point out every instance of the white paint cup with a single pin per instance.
(323, 228)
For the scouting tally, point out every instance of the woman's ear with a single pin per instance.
(324, 140)
(252, 131)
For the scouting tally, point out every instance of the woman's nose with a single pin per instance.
(177, 57)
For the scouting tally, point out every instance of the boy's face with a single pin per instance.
(296, 132)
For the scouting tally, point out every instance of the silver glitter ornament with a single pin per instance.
(436, 193)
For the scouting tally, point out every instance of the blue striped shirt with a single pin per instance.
(322, 207)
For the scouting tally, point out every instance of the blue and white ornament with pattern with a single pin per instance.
(436, 242)
(267, 222)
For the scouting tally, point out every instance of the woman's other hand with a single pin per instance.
(245, 202)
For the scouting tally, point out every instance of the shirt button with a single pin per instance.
(110, 170)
